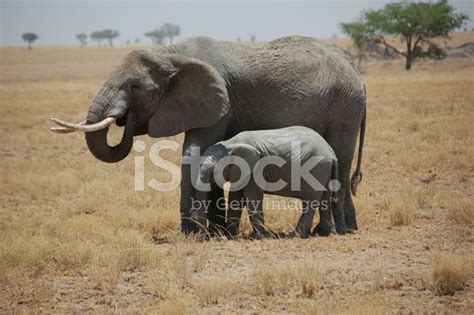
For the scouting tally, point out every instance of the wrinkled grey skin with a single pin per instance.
(212, 90)
(252, 147)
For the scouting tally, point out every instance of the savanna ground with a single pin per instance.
(76, 237)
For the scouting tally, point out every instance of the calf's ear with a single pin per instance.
(249, 154)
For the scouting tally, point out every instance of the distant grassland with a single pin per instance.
(75, 236)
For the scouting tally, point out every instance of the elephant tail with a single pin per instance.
(357, 175)
(334, 179)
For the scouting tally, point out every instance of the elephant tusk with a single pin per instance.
(83, 127)
(62, 130)
(65, 129)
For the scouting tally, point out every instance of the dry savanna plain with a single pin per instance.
(76, 237)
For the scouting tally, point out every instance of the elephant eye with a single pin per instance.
(135, 87)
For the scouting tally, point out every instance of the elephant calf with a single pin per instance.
(274, 162)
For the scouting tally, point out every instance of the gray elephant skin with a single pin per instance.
(212, 90)
(274, 161)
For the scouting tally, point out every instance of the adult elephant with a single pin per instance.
(212, 90)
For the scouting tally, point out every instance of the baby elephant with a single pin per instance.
(275, 162)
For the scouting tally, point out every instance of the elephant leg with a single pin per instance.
(303, 228)
(344, 146)
(326, 223)
(234, 212)
(199, 140)
(216, 211)
(188, 201)
(254, 198)
(349, 209)
(345, 199)
(257, 220)
(199, 212)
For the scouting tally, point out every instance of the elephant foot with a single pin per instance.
(341, 227)
(189, 227)
(322, 230)
(259, 235)
(350, 218)
(217, 230)
(232, 232)
(352, 226)
(304, 235)
(217, 223)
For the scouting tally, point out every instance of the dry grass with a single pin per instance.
(462, 212)
(76, 237)
(303, 277)
(401, 215)
(451, 273)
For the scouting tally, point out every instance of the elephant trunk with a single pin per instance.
(213, 155)
(110, 102)
(108, 107)
(97, 143)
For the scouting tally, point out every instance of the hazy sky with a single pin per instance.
(57, 22)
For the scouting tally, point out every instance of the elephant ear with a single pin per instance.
(246, 152)
(196, 97)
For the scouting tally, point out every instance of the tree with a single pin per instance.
(97, 36)
(106, 34)
(415, 23)
(170, 30)
(110, 35)
(157, 36)
(29, 38)
(82, 39)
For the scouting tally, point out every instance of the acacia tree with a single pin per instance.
(157, 36)
(170, 30)
(106, 34)
(416, 24)
(97, 36)
(82, 38)
(110, 35)
(29, 38)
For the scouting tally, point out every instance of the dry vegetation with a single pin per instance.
(76, 237)
(451, 273)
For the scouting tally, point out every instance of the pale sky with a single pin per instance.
(58, 21)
